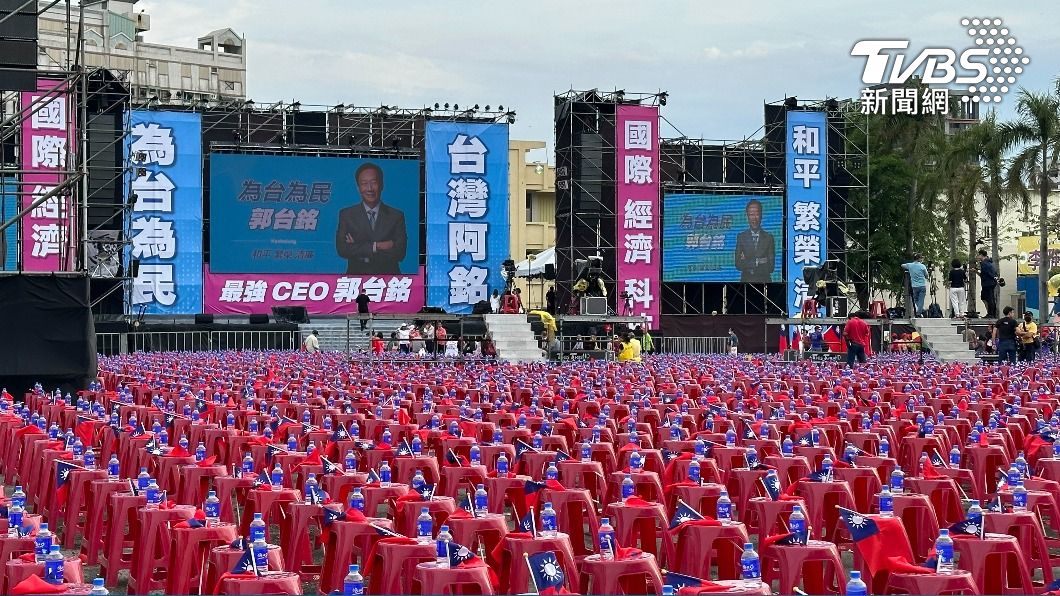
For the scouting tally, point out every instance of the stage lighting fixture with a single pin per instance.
(297, 105)
(340, 107)
(832, 105)
(248, 103)
(475, 108)
(436, 106)
(620, 94)
(487, 107)
(500, 108)
(456, 107)
(396, 144)
(791, 103)
(662, 98)
(447, 106)
(511, 117)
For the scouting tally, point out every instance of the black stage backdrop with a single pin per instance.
(46, 332)
(749, 329)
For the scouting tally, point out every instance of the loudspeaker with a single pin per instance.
(432, 310)
(594, 306)
(259, 319)
(550, 271)
(204, 319)
(290, 314)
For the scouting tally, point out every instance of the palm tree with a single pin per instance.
(1038, 131)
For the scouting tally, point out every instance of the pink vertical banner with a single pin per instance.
(637, 212)
(49, 236)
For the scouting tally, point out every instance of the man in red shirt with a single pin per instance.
(856, 332)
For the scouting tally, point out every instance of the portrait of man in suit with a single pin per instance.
(755, 248)
(371, 235)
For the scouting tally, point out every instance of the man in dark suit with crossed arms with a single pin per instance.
(755, 248)
(371, 236)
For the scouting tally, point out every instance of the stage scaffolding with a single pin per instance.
(585, 181)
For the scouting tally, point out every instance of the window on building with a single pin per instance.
(529, 205)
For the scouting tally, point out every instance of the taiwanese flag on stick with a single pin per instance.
(62, 480)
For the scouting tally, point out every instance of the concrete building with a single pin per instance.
(531, 212)
(216, 70)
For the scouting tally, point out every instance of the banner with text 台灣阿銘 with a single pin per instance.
(637, 216)
(806, 180)
(467, 212)
(165, 222)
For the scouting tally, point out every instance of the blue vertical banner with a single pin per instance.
(467, 212)
(806, 210)
(165, 223)
(8, 210)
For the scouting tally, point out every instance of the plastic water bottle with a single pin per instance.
(292, 442)
(53, 566)
(886, 502)
(628, 487)
(885, 447)
(276, 478)
(975, 514)
(730, 438)
(200, 451)
(1019, 497)
(481, 501)
(826, 467)
(897, 481)
(548, 520)
(154, 495)
(90, 459)
(312, 488)
(212, 509)
(418, 480)
(353, 583)
(19, 497)
(260, 551)
(502, 465)
(724, 508)
(252, 426)
(349, 463)
(598, 430)
(606, 539)
(552, 472)
(700, 450)
(14, 520)
(42, 544)
(944, 552)
(636, 462)
(797, 521)
(143, 480)
(475, 455)
(856, 587)
(248, 464)
(787, 447)
(387, 436)
(443, 543)
(668, 590)
(424, 526)
(694, 472)
(955, 457)
(384, 475)
(357, 500)
(98, 588)
(417, 446)
(257, 528)
(750, 566)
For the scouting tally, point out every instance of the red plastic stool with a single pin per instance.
(789, 469)
(576, 517)
(229, 488)
(223, 559)
(703, 498)
(17, 570)
(958, 582)
(390, 566)
(767, 517)
(944, 496)
(918, 516)
(348, 542)
(489, 530)
(1026, 527)
(817, 565)
(504, 492)
(638, 525)
(744, 484)
(123, 526)
(455, 478)
(295, 536)
(338, 486)
(996, 564)
(376, 496)
(984, 462)
(75, 520)
(272, 582)
(269, 503)
(99, 492)
(821, 499)
(864, 485)
(515, 577)
(189, 549)
(150, 569)
(693, 549)
(429, 578)
(405, 514)
(634, 575)
(9, 549)
(587, 475)
(195, 481)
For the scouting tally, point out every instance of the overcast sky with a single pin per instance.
(719, 61)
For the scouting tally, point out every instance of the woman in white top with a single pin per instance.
(495, 302)
(451, 349)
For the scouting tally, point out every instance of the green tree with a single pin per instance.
(1036, 133)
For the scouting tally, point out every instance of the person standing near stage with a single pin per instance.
(1028, 335)
(428, 336)
(958, 293)
(1005, 335)
(495, 302)
(312, 342)
(988, 278)
(550, 301)
(363, 301)
(917, 283)
(859, 344)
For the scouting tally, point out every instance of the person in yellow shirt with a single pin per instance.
(629, 349)
(1027, 332)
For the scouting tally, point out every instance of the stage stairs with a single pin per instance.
(333, 333)
(514, 338)
(943, 337)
